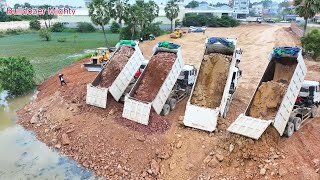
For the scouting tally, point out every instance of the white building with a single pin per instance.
(257, 9)
(241, 9)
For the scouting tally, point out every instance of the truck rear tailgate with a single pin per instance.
(201, 117)
(96, 96)
(136, 110)
(249, 126)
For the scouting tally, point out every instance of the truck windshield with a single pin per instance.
(304, 89)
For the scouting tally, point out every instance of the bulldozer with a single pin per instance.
(176, 34)
(98, 59)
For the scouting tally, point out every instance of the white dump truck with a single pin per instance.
(175, 87)
(205, 118)
(97, 96)
(299, 101)
(254, 19)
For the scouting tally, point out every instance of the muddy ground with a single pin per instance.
(118, 149)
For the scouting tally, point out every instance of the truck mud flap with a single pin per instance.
(97, 96)
(136, 111)
(249, 126)
(201, 117)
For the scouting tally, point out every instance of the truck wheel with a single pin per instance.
(313, 111)
(165, 110)
(297, 123)
(289, 129)
(173, 104)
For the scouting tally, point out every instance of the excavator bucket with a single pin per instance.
(249, 127)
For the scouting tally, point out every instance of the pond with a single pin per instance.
(22, 156)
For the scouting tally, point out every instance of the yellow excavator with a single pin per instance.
(177, 33)
(98, 59)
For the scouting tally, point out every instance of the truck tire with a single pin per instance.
(313, 111)
(165, 110)
(173, 103)
(289, 129)
(297, 123)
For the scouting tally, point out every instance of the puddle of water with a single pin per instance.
(8, 107)
(24, 157)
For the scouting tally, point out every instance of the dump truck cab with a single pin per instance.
(187, 75)
(310, 93)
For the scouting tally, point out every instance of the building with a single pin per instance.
(3, 4)
(240, 9)
(257, 9)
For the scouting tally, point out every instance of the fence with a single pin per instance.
(294, 27)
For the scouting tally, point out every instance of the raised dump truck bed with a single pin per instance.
(138, 110)
(97, 92)
(215, 84)
(275, 96)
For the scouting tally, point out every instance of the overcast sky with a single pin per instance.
(81, 2)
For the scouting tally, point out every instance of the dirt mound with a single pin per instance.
(157, 70)
(212, 78)
(267, 100)
(115, 65)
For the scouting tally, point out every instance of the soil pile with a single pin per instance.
(267, 100)
(157, 70)
(115, 65)
(211, 81)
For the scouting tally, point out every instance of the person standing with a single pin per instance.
(62, 80)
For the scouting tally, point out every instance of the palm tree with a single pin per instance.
(307, 9)
(100, 13)
(120, 7)
(172, 11)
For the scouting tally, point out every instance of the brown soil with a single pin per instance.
(157, 70)
(115, 148)
(115, 65)
(283, 72)
(267, 100)
(212, 78)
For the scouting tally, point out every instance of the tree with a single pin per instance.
(45, 34)
(311, 43)
(172, 11)
(46, 17)
(27, 5)
(120, 7)
(35, 24)
(100, 12)
(266, 3)
(17, 75)
(192, 4)
(307, 9)
(140, 15)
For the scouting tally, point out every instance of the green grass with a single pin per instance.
(50, 57)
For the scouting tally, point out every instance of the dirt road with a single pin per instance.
(116, 148)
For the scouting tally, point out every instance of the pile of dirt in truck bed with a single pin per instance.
(267, 100)
(283, 72)
(211, 81)
(115, 65)
(157, 70)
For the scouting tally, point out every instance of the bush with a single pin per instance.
(57, 27)
(115, 27)
(62, 39)
(126, 33)
(85, 27)
(311, 43)
(209, 20)
(154, 29)
(17, 75)
(35, 24)
(45, 34)
(13, 31)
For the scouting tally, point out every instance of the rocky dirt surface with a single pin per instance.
(156, 72)
(267, 100)
(118, 149)
(115, 65)
(213, 75)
